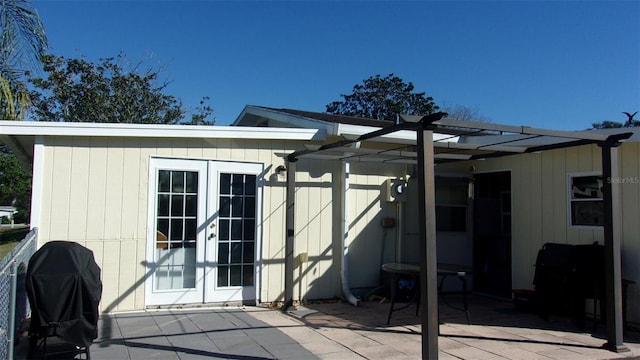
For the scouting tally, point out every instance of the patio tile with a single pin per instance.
(473, 353)
(593, 353)
(291, 351)
(225, 333)
(341, 355)
(564, 354)
(150, 351)
(492, 346)
(302, 334)
(244, 346)
(345, 332)
(348, 338)
(179, 328)
(109, 353)
(516, 353)
(260, 330)
(445, 343)
(209, 321)
(537, 347)
(323, 346)
(379, 352)
(192, 341)
(275, 337)
(446, 356)
(552, 338)
(393, 338)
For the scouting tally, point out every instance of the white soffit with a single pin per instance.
(34, 128)
(292, 120)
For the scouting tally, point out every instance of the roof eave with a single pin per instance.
(28, 128)
(293, 120)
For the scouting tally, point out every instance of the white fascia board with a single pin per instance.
(402, 136)
(34, 128)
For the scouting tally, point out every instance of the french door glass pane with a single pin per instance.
(223, 276)
(223, 253)
(236, 230)
(235, 275)
(223, 229)
(225, 184)
(176, 225)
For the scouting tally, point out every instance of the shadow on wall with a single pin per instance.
(374, 244)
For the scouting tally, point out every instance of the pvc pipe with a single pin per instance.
(344, 271)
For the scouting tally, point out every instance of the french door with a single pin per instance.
(204, 221)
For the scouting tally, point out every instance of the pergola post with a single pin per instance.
(290, 235)
(612, 245)
(428, 259)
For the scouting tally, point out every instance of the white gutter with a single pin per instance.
(344, 271)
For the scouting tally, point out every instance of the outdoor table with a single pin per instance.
(412, 270)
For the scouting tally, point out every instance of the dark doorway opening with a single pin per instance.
(492, 233)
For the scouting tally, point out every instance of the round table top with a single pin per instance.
(414, 269)
(401, 268)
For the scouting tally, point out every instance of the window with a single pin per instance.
(585, 195)
(451, 204)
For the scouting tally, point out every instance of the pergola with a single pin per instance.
(429, 152)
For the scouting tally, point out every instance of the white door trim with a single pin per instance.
(206, 250)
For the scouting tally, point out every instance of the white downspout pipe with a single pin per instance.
(344, 271)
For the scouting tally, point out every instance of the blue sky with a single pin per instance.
(553, 64)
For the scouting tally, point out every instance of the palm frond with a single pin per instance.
(13, 101)
(22, 39)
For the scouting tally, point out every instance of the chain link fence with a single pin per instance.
(14, 306)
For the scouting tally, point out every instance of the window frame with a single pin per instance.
(571, 200)
(453, 181)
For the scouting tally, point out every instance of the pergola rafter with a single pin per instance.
(427, 153)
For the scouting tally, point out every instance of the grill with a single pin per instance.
(64, 289)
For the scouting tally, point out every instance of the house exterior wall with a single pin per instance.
(540, 196)
(95, 192)
(369, 244)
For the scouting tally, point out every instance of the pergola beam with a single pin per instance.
(384, 131)
(424, 127)
(466, 146)
(525, 130)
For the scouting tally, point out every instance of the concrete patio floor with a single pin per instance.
(335, 330)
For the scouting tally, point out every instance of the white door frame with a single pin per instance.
(229, 294)
(206, 250)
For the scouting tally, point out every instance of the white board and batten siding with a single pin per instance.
(94, 192)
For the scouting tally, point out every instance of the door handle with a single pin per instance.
(213, 233)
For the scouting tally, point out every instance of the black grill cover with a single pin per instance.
(64, 287)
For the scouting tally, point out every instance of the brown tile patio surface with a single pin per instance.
(336, 330)
(498, 331)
